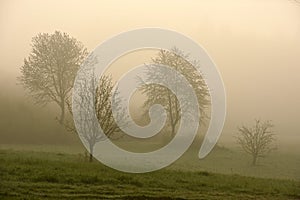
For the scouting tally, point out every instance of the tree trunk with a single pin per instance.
(62, 115)
(91, 153)
(172, 130)
(254, 159)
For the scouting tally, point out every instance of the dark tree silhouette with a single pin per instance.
(256, 140)
(49, 71)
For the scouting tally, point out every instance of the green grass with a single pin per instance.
(276, 165)
(279, 164)
(37, 175)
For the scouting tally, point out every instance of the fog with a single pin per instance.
(255, 44)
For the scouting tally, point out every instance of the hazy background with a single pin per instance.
(255, 44)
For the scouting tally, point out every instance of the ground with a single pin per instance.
(53, 175)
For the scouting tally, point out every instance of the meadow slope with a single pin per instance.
(41, 175)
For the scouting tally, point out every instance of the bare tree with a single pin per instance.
(102, 104)
(256, 140)
(49, 71)
(157, 94)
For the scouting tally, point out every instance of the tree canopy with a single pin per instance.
(49, 71)
(158, 94)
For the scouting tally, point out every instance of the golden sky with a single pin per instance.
(255, 44)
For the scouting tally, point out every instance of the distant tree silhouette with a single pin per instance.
(49, 71)
(103, 93)
(256, 140)
(157, 94)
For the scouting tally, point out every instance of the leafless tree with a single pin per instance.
(102, 104)
(49, 71)
(256, 140)
(157, 94)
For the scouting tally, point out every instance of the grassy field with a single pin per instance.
(54, 175)
(277, 165)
